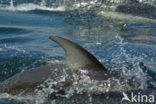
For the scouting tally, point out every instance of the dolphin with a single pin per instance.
(77, 60)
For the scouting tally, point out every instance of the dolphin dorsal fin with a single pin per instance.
(76, 56)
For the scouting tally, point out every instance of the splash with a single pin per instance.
(81, 84)
(133, 69)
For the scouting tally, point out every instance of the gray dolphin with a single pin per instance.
(76, 58)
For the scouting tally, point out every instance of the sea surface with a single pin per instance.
(119, 41)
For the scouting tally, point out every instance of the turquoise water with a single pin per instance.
(118, 41)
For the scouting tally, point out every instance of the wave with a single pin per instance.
(12, 30)
(62, 5)
(141, 10)
(30, 7)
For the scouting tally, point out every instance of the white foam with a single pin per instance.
(31, 6)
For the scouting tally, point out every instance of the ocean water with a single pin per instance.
(125, 42)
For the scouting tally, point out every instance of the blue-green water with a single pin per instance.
(119, 41)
